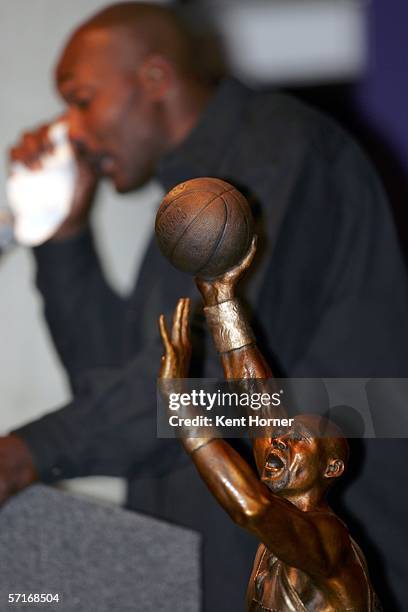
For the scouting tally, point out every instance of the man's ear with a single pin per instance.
(156, 75)
(334, 469)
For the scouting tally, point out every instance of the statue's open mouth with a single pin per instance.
(274, 463)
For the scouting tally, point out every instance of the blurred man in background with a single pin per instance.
(328, 296)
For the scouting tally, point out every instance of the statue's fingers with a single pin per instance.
(233, 275)
(177, 318)
(248, 258)
(165, 334)
(185, 324)
(251, 253)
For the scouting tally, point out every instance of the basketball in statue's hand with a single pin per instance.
(204, 226)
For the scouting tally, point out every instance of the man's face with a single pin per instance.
(112, 123)
(290, 463)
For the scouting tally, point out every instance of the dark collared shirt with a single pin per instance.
(329, 298)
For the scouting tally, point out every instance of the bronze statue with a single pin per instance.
(307, 560)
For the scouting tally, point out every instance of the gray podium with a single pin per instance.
(97, 558)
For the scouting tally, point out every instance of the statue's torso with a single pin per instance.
(276, 587)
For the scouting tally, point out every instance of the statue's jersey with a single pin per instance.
(270, 589)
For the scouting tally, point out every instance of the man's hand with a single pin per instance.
(29, 151)
(17, 469)
(177, 349)
(222, 288)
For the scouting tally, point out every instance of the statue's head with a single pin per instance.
(311, 454)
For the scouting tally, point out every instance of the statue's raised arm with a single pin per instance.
(306, 560)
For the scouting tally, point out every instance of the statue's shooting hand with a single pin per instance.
(17, 469)
(177, 347)
(222, 288)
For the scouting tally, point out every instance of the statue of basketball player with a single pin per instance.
(307, 560)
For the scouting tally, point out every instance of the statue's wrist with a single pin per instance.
(225, 294)
(217, 295)
(228, 324)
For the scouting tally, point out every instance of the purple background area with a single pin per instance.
(382, 97)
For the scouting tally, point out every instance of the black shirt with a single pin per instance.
(328, 295)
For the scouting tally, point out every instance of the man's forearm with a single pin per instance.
(83, 313)
(109, 428)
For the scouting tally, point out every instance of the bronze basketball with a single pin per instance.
(204, 226)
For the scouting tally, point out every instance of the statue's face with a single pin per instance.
(293, 462)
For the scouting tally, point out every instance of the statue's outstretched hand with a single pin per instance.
(177, 348)
(222, 288)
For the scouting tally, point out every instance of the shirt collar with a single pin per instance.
(200, 154)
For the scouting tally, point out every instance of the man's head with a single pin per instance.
(310, 455)
(132, 87)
